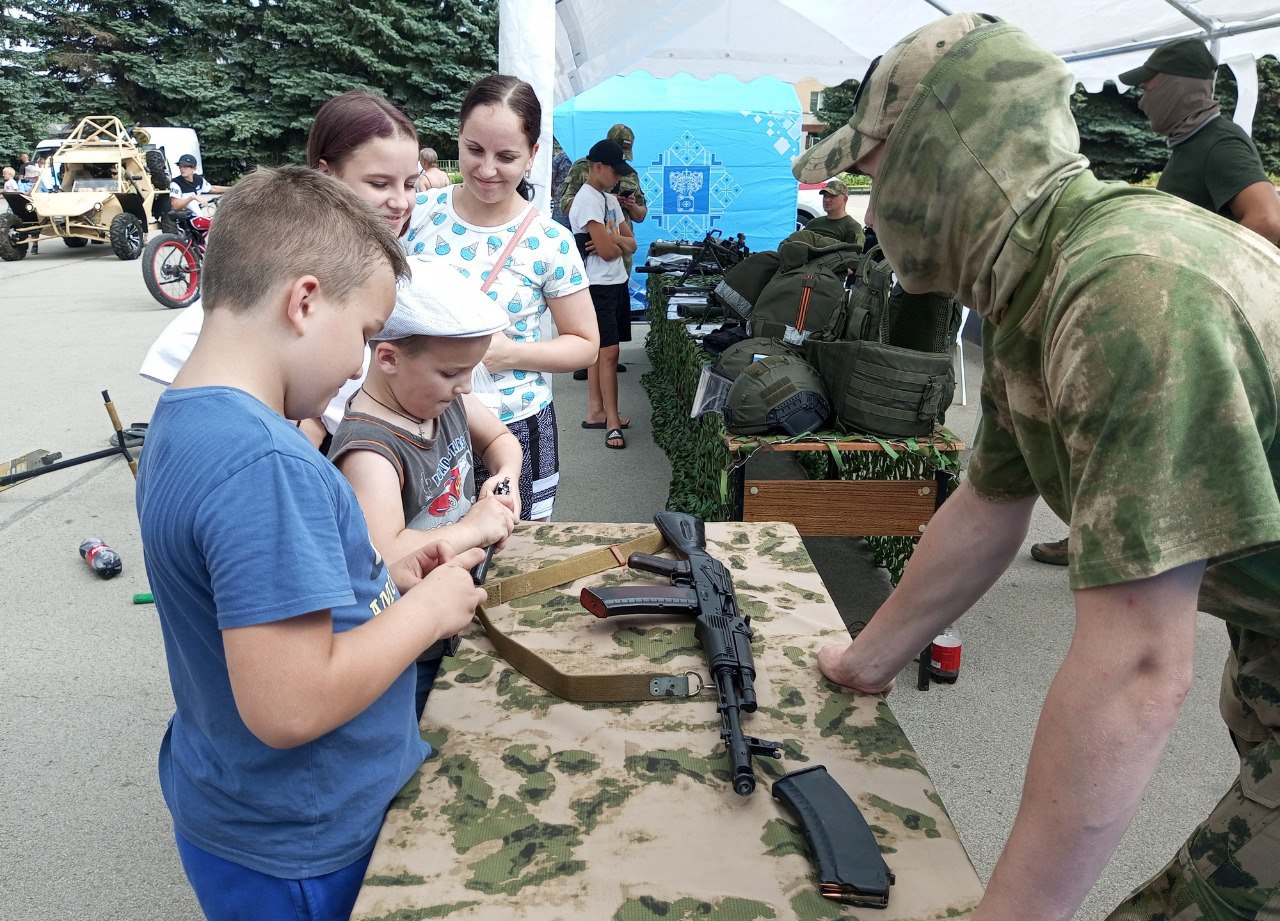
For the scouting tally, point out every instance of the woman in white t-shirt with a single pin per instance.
(525, 261)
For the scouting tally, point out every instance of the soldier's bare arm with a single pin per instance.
(967, 546)
(1257, 207)
(1102, 731)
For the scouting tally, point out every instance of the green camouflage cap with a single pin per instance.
(1187, 57)
(835, 187)
(624, 137)
(883, 94)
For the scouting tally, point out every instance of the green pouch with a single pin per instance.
(886, 390)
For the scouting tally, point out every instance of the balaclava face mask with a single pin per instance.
(1176, 106)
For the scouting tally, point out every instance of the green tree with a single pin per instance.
(248, 77)
(1115, 135)
(837, 105)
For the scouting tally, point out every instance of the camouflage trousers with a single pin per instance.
(1229, 869)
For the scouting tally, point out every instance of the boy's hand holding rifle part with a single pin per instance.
(702, 588)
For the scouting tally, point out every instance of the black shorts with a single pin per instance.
(613, 312)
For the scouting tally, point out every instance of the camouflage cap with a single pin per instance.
(624, 137)
(835, 187)
(882, 96)
(1187, 57)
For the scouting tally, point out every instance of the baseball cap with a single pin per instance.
(625, 137)
(1187, 57)
(882, 95)
(834, 187)
(438, 301)
(610, 153)
(186, 160)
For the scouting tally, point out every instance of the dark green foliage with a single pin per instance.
(1116, 136)
(248, 77)
(837, 104)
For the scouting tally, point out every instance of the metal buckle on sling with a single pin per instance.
(677, 685)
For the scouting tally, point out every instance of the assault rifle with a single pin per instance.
(702, 588)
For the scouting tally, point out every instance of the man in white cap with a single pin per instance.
(412, 433)
(1131, 357)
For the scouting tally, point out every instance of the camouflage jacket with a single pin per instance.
(1132, 344)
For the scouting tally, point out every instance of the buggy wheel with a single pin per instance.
(11, 246)
(158, 167)
(75, 242)
(126, 236)
(171, 270)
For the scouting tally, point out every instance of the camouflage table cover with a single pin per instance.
(537, 808)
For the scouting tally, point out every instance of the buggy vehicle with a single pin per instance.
(110, 191)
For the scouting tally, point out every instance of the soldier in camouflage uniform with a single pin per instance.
(1131, 349)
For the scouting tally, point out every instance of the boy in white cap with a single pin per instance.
(407, 440)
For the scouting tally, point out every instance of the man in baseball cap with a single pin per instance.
(836, 223)
(1130, 353)
(1213, 162)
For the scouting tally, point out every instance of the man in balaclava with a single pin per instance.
(630, 198)
(1213, 163)
(1131, 350)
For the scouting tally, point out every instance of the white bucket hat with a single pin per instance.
(438, 301)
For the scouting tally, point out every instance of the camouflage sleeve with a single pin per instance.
(572, 183)
(1163, 405)
(997, 471)
(632, 184)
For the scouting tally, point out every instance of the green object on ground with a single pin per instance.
(144, 598)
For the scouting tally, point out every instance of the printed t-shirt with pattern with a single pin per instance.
(544, 264)
(437, 474)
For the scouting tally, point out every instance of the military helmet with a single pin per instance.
(779, 393)
(733, 360)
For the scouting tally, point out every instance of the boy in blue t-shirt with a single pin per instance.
(290, 650)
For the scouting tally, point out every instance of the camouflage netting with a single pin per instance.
(700, 460)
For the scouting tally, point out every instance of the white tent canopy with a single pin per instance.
(833, 40)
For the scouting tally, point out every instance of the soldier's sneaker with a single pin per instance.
(1054, 553)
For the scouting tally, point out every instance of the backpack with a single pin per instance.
(888, 363)
(807, 293)
(740, 288)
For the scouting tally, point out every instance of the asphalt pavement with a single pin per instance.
(83, 829)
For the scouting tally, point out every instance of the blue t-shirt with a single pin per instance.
(244, 522)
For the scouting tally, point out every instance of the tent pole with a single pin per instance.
(527, 49)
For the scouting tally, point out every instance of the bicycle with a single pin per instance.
(171, 261)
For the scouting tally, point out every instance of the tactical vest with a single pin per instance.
(807, 292)
(888, 361)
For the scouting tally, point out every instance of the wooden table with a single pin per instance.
(536, 808)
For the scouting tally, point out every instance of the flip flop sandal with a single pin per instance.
(134, 435)
(614, 435)
(601, 425)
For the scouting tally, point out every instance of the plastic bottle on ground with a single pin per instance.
(101, 558)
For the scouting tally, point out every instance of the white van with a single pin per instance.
(175, 142)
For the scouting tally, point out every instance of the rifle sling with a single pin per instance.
(578, 688)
